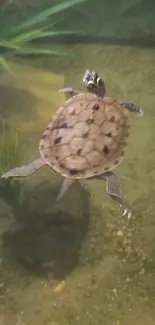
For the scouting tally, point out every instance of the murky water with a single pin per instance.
(79, 261)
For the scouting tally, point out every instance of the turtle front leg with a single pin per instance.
(69, 91)
(132, 107)
(114, 191)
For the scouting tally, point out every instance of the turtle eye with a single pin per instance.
(90, 84)
(99, 81)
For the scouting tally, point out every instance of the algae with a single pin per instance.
(30, 97)
(112, 280)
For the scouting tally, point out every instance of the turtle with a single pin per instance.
(86, 138)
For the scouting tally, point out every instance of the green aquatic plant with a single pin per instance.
(10, 153)
(9, 147)
(19, 39)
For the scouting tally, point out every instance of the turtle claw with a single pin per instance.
(65, 90)
(141, 112)
(128, 213)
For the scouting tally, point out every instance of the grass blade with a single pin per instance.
(25, 37)
(43, 15)
(9, 45)
(4, 64)
(39, 51)
(38, 34)
(59, 33)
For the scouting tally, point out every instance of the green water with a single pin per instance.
(107, 262)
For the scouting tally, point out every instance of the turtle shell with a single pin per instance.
(86, 137)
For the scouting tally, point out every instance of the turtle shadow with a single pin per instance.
(47, 236)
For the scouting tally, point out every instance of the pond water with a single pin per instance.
(78, 261)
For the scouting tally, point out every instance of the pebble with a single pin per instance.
(120, 233)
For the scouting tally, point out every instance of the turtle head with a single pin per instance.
(94, 83)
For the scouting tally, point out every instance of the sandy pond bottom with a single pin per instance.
(80, 261)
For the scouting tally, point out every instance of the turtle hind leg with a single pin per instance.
(25, 170)
(113, 190)
(64, 187)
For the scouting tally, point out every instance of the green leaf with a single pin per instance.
(25, 37)
(4, 64)
(9, 45)
(38, 34)
(44, 14)
(37, 51)
(59, 33)
(14, 38)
